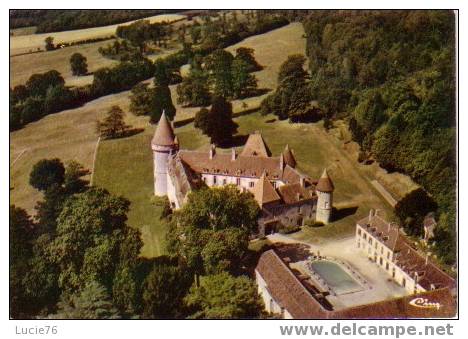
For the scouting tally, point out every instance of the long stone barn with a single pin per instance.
(286, 196)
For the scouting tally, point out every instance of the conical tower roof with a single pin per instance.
(164, 135)
(288, 157)
(325, 184)
(264, 192)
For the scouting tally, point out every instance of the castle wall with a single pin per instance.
(217, 180)
(160, 158)
(324, 206)
(171, 193)
(288, 215)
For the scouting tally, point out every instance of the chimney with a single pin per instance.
(302, 181)
(233, 154)
(298, 196)
(212, 151)
(371, 214)
(427, 259)
(281, 162)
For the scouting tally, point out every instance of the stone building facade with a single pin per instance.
(384, 244)
(286, 196)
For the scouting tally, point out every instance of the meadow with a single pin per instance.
(124, 167)
(25, 43)
(70, 134)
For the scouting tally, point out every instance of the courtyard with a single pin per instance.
(359, 281)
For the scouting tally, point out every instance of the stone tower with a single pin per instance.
(324, 191)
(163, 144)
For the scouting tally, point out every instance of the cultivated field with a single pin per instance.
(23, 66)
(25, 43)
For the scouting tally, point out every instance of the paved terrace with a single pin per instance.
(377, 288)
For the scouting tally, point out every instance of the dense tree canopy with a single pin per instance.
(93, 239)
(391, 75)
(217, 122)
(113, 125)
(46, 173)
(223, 296)
(292, 98)
(92, 302)
(78, 64)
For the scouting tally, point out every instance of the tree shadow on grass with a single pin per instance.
(255, 93)
(129, 133)
(292, 252)
(338, 214)
(235, 141)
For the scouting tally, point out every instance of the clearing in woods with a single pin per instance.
(71, 134)
(25, 43)
(125, 167)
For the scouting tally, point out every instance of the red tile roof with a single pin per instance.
(406, 257)
(256, 146)
(325, 184)
(290, 293)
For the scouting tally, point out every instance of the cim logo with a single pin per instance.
(424, 303)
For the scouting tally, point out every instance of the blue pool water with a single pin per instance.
(336, 277)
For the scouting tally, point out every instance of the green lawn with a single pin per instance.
(124, 167)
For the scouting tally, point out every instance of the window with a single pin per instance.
(387, 266)
(224, 181)
(403, 282)
(381, 261)
(365, 236)
(393, 272)
(238, 181)
(376, 244)
(204, 179)
(251, 184)
(388, 255)
(359, 231)
(370, 241)
(214, 179)
(326, 204)
(381, 250)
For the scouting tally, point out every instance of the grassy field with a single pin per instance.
(23, 66)
(124, 167)
(271, 50)
(23, 31)
(24, 43)
(70, 134)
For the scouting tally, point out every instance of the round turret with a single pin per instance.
(324, 190)
(163, 144)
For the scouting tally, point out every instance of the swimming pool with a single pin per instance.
(336, 277)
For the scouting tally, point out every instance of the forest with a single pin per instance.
(60, 20)
(391, 75)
